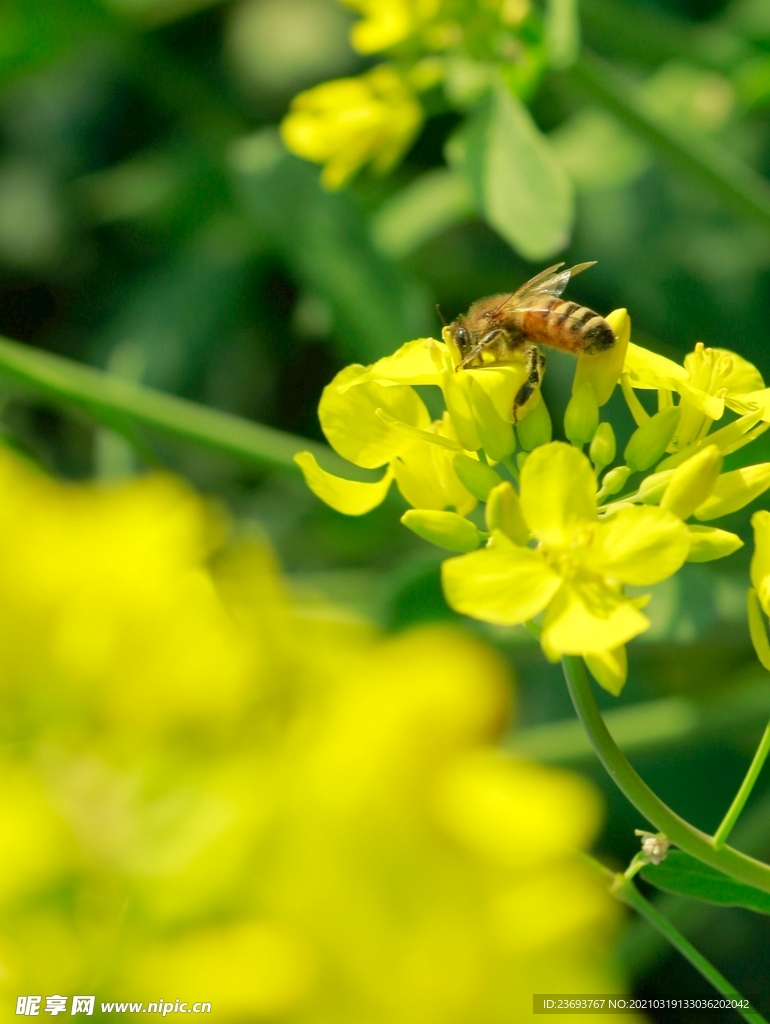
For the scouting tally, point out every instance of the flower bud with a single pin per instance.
(503, 512)
(650, 441)
(535, 429)
(445, 529)
(692, 482)
(603, 446)
(757, 628)
(735, 490)
(496, 436)
(707, 543)
(760, 561)
(615, 480)
(476, 476)
(653, 487)
(603, 369)
(582, 416)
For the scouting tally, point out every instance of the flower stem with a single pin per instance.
(120, 404)
(682, 833)
(625, 891)
(729, 820)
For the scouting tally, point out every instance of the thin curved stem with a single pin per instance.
(627, 893)
(682, 833)
(724, 830)
(120, 403)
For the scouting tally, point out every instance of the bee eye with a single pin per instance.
(462, 339)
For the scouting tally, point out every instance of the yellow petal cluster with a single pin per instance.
(576, 571)
(214, 790)
(373, 417)
(347, 123)
(710, 380)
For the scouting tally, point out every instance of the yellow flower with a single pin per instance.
(373, 417)
(350, 122)
(577, 570)
(710, 380)
(251, 799)
(386, 23)
(372, 425)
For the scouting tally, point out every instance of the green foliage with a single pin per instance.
(683, 874)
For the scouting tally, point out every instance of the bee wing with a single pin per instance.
(547, 284)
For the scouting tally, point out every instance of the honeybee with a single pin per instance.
(502, 328)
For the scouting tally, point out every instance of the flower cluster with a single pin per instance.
(563, 532)
(372, 119)
(218, 791)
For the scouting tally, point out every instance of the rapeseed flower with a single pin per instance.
(386, 23)
(373, 417)
(576, 571)
(215, 789)
(711, 380)
(347, 123)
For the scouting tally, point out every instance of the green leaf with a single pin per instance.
(420, 211)
(518, 181)
(680, 873)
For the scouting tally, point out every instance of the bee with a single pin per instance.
(502, 328)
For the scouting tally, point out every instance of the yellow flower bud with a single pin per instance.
(444, 529)
(615, 480)
(757, 628)
(653, 487)
(582, 416)
(535, 428)
(650, 441)
(692, 482)
(735, 490)
(603, 369)
(476, 476)
(503, 512)
(496, 436)
(603, 446)
(707, 543)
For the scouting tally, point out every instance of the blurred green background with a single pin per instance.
(151, 224)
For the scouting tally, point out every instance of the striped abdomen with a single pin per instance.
(567, 326)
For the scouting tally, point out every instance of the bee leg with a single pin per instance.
(535, 371)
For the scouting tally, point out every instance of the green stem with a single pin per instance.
(111, 399)
(735, 182)
(625, 891)
(681, 832)
(724, 830)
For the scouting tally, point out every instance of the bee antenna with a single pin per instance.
(440, 315)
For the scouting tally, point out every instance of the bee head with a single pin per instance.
(461, 337)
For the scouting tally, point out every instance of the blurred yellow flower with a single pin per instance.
(349, 122)
(386, 23)
(216, 791)
(577, 570)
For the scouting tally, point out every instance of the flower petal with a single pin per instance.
(504, 584)
(501, 384)
(351, 497)
(603, 369)
(609, 669)
(427, 479)
(650, 370)
(558, 493)
(640, 545)
(590, 619)
(760, 562)
(349, 418)
(417, 362)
